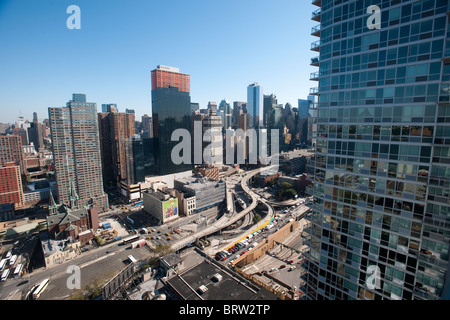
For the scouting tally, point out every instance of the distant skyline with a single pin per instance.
(224, 46)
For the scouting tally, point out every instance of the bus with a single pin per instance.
(138, 204)
(18, 271)
(5, 275)
(131, 220)
(132, 259)
(130, 239)
(12, 260)
(37, 293)
(2, 264)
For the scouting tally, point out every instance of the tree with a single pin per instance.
(256, 218)
(285, 186)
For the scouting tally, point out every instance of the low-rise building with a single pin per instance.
(68, 222)
(207, 192)
(161, 205)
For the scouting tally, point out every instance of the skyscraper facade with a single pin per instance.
(76, 152)
(255, 106)
(11, 185)
(171, 109)
(226, 113)
(11, 151)
(273, 120)
(166, 77)
(380, 218)
(35, 133)
(212, 136)
(114, 128)
(239, 108)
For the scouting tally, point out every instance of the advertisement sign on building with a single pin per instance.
(170, 209)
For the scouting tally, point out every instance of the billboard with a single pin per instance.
(170, 209)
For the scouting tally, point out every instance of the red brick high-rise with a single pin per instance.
(114, 128)
(11, 151)
(11, 185)
(165, 77)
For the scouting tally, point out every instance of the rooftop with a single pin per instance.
(228, 288)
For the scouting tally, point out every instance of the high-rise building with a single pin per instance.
(11, 185)
(147, 126)
(303, 124)
(380, 216)
(194, 107)
(239, 108)
(255, 106)
(11, 151)
(226, 113)
(273, 120)
(167, 77)
(110, 107)
(35, 133)
(171, 110)
(76, 152)
(212, 136)
(114, 128)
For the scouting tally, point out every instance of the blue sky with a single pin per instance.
(223, 45)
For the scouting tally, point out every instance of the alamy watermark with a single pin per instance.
(373, 282)
(74, 280)
(74, 21)
(251, 145)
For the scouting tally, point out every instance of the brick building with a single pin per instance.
(71, 221)
(11, 185)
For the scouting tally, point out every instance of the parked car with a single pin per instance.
(282, 266)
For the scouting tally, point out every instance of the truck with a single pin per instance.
(106, 225)
(138, 244)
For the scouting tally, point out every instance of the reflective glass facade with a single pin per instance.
(382, 166)
(255, 110)
(171, 111)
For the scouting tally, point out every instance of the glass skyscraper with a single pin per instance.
(171, 109)
(380, 219)
(255, 110)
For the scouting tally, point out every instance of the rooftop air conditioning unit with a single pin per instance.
(218, 277)
(203, 289)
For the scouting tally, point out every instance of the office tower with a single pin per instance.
(242, 144)
(140, 159)
(110, 107)
(35, 133)
(76, 152)
(226, 113)
(11, 185)
(273, 120)
(11, 151)
(171, 110)
(114, 128)
(197, 117)
(303, 123)
(23, 134)
(239, 108)
(194, 107)
(212, 136)
(147, 126)
(255, 106)
(379, 222)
